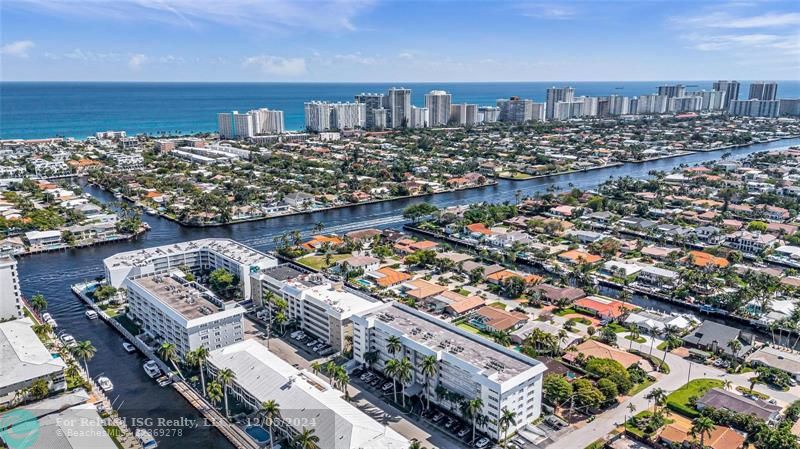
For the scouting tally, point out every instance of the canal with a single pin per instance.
(136, 395)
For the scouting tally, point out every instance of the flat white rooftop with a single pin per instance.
(304, 399)
(188, 299)
(229, 248)
(22, 355)
(492, 360)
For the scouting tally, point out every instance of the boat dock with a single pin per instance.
(232, 432)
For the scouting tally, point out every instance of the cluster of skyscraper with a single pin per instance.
(392, 110)
(236, 125)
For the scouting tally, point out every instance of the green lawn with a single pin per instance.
(318, 262)
(678, 400)
(758, 394)
(567, 311)
(618, 328)
(636, 340)
(469, 328)
(639, 387)
(662, 346)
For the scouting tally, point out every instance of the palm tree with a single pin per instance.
(214, 390)
(371, 358)
(415, 444)
(306, 439)
(38, 302)
(318, 227)
(405, 372)
(342, 379)
(315, 367)
(330, 369)
(42, 330)
(735, 346)
(429, 368)
(472, 409)
(84, 350)
(502, 338)
(702, 426)
(727, 384)
(225, 377)
(198, 358)
(632, 409)
(169, 352)
(280, 319)
(271, 412)
(507, 419)
(634, 334)
(658, 396)
(390, 369)
(393, 345)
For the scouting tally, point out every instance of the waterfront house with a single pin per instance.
(43, 238)
(657, 277)
(554, 294)
(655, 322)
(577, 257)
(493, 319)
(750, 242)
(602, 307)
(519, 335)
(703, 259)
(421, 289)
(716, 337)
(365, 263)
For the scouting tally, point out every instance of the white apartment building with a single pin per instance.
(266, 121)
(685, 104)
(438, 103)
(652, 104)
(10, 295)
(398, 105)
(348, 116)
(618, 105)
(554, 95)
(196, 255)
(372, 102)
(516, 110)
(713, 100)
(755, 108)
(170, 308)
(235, 125)
(464, 114)
(488, 114)
(305, 400)
(320, 306)
(25, 360)
(469, 365)
(420, 118)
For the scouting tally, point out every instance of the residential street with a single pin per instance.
(681, 371)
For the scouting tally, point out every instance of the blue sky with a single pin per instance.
(372, 40)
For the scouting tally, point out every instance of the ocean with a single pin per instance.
(31, 110)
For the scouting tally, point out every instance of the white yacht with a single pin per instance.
(129, 348)
(91, 314)
(144, 437)
(105, 383)
(151, 368)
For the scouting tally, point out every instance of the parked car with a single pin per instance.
(463, 432)
(376, 381)
(437, 417)
(449, 423)
(483, 442)
(387, 386)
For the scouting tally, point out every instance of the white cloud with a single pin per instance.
(356, 58)
(769, 20)
(551, 11)
(322, 15)
(19, 48)
(277, 65)
(135, 61)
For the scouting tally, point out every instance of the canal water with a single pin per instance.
(137, 396)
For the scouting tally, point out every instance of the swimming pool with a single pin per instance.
(258, 433)
(365, 282)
